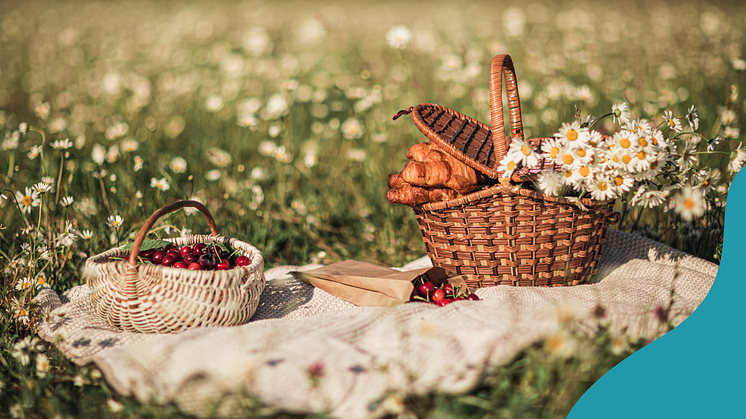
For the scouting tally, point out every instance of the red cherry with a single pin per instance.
(176, 255)
(223, 265)
(243, 260)
(426, 289)
(199, 249)
(157, 257)
(179, 265)
(448, 290)
(147, 253)
(185, 250)
(444, 302)
(208, 261)
(168, 260)
(194, 267)
(169, 247)
(473, 297)
(438, 295)
(190, 258)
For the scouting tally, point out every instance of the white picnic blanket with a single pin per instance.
(308, 351)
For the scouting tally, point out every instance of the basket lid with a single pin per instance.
(478, 145)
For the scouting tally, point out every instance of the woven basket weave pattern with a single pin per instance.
(169, 300)
(516, 240)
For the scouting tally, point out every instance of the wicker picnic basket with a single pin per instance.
(506, 234)
(157, 299)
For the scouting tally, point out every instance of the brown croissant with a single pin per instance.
(415, 195)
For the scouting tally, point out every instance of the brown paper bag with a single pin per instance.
(365, 284)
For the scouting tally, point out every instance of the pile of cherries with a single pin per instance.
(200, 257)
(441, 296)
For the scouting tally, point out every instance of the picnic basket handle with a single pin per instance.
(161, 212)
(502, 67)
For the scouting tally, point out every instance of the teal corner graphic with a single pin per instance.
(698, 369)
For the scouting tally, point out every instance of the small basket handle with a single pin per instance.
(161, 212)
(502, 67)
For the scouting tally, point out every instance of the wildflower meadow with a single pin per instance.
(278, 117)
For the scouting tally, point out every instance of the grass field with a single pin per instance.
(277, 116)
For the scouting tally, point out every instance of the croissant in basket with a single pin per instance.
(431, 175)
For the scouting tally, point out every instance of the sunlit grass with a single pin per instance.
(278, 118)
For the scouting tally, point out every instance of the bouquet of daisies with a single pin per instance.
(638, 158)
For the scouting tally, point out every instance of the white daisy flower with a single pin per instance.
(711, 144)
(507, 166)
(601, 188)
(651, 199)
(34, 152)
(138, 163)
(730, 132)
(690, 203)
(42, 187)
(550, 182)
(161, 184)
(706, 179)
(641, 127)
(621, 183)
(41, 280)
(67, 201)
(61, 144)
(178, 165)
(573, 134)
(86, 234)
(48, 180)
(398, 37)
(693, 118)
(28, 200)
(570, 177)
(728, 116)
(24, 283)
(129, 145)
(737, 158)
(620, 112)
(687, 159)
(42, 365)
(568, 159)
(522, 152)
(551, 148)
(115, 221)
(673, 123)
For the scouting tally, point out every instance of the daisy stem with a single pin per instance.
(688, 133)
(604, 116)
(43, 141)
(11, 166)
(637, 219)
(59, 177)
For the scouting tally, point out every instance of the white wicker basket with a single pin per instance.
(157, 299)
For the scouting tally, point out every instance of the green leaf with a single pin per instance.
(148, 245)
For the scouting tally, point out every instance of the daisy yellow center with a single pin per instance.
(568, 173)
(654, 165)
(26, 285)
(625, 143)
(671, 123)
(615, 158)
(641, 155)
(706, 182)
(581, 153)
(22, 312)
(626, 159)
(567, 159)
(553, 152)
(603, 186)
(585, 171)
(689, 203)
(572, 135)
(526, 150)
(653, 140)
(618, 180)
(510, 165)
(643, 142)
(27, 200)
(41, 281)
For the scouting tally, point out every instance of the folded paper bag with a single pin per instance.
(365, 284)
